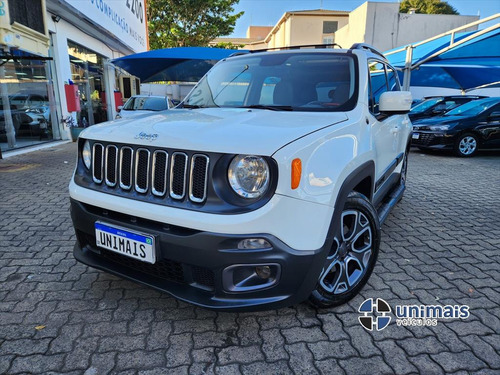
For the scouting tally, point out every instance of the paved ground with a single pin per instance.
(441, 245)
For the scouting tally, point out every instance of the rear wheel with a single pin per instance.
(466, 145)
(352, 255)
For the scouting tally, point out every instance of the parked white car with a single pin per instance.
(143, 104)
(265, 187)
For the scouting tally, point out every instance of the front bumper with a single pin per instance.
(435, 140)
(190, 263)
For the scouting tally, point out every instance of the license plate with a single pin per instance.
(415, 136)
(123, 241)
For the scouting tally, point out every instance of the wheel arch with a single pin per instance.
(359, 180)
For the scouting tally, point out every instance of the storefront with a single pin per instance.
(55, 64)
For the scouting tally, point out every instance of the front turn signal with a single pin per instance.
(296, 172)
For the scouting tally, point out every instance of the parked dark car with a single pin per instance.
(464, 129)
(433, 106)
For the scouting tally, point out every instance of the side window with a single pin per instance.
(378, 84)
(393, 79)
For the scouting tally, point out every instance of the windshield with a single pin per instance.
(279, 81)
(425, 105)
(145, 104)
(472, 108)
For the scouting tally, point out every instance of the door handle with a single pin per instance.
(395, 129)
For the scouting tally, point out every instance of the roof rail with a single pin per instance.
(238, 53)
(333, 45)
(367, 47)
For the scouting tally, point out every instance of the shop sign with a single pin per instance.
(125, 19)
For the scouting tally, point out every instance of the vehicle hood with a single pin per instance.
(225, 130)
(441, 120)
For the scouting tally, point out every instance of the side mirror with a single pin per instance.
(394, 102)
(120, 107)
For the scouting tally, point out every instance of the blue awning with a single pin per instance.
(184, 64)
(466, 66)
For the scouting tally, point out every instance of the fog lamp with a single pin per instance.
(253, 244)
(264, 272)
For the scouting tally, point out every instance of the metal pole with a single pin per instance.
(407, 68)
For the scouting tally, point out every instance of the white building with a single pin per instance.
(58, 64)
(376, 23)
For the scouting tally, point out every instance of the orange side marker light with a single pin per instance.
(296, 172)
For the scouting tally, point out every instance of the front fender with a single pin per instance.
(328, 157)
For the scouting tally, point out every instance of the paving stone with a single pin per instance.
(332, 349)
(240, 354)
(273, 345)
(426, 365)
(101, 363)
(297, 334)
(301, 359)
(426, 345)
(139, 359)
(483, 350)
(396, 357)
(365, 366)
(436, 247)
(328, 367)
(178, 352)
(24, 347)
(452, 362)
(274, 368)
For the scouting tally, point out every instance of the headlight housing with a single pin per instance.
(248, 176)
(439, 128)
(87, 155)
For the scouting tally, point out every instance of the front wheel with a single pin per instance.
(352, 255)
(466, 145)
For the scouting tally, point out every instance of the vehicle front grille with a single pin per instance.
(163, 268)
(425, 139)
(174, 175)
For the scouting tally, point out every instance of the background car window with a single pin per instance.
(425, 105)
(378, 84)
(472, 108)
(154, 104)
(393, 79)
(145, 103)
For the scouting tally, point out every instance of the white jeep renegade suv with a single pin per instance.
(265, 187)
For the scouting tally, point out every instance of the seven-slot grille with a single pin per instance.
(162, 174)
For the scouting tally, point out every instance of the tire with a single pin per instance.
(354, 249)
(404, 169)
(466, 145)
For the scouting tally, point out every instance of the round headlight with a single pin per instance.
(248, 175)
(87, 154)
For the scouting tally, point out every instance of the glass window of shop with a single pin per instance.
(87, 72)
(27, 105)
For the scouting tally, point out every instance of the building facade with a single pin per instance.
(56, 64)
(377, 23)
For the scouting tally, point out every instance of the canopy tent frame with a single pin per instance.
(409, 65)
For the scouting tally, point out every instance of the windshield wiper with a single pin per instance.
(269, 107)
